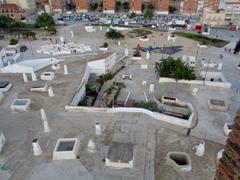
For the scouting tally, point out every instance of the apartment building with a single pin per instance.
(161, 6)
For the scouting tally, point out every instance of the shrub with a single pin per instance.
(204, 39)
(140, 32)
(105, 45)
(13, 41)
(29, 35)
(52, 30)
(90, 86)
(151, 106)
(106, 77)
(132, 15)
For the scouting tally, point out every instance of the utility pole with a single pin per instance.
(206, 71)
(31, 47)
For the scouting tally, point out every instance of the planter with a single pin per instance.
(202, 45)
(143, 39)
(173, 38)
(13, 46)
(103, 49)
(205, 33)
(172, 29)
(137, 57)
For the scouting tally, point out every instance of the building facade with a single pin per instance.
(161, 6)
(212, 4)
(189, 6)
(43, 5)
(57, 5)
(109, 6)
(213, 18)
(228, 165)
(81, 5)
(23, 4)
(135, 6)
(12, 11)
(232, 12)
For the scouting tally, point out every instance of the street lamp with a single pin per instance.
(31, 47)
(206, 72)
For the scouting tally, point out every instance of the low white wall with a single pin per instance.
(13, 46)
(118, 165)
(154, 115)
(198, 82)
(161, 12)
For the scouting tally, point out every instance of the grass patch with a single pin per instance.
(203, 39)
(139, 32)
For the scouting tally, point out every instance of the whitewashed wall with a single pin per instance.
(198, 82)
(154, 115)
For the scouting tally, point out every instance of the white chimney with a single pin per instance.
(98, 128)
(126, 52)
(200, 149)
(34, 77)
(50, 92)
(65, 69)
(46, 126)
(25, 79)
(91, 146)
(148, 55)
(37, 151)
(43, 115)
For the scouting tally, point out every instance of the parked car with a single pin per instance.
(23, 48)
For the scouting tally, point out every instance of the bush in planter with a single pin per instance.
(13, 41)
(172, 35)
(132, 15)
(52, 30)
(90, 87)
(137, 54)
(105, 45)
(152, 106)
(106, 77)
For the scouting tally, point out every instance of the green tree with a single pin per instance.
(114, 35)
(94, 6)
(118, 6)
(172, 9)
(132, 15)
(7, 22)
(150, 6)
(13, 41)
(44, 20)
(125, 6)
(70, 6)
(175, 69)
(52, 30)
(30, 34)
(148, 14)
(143, 7)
